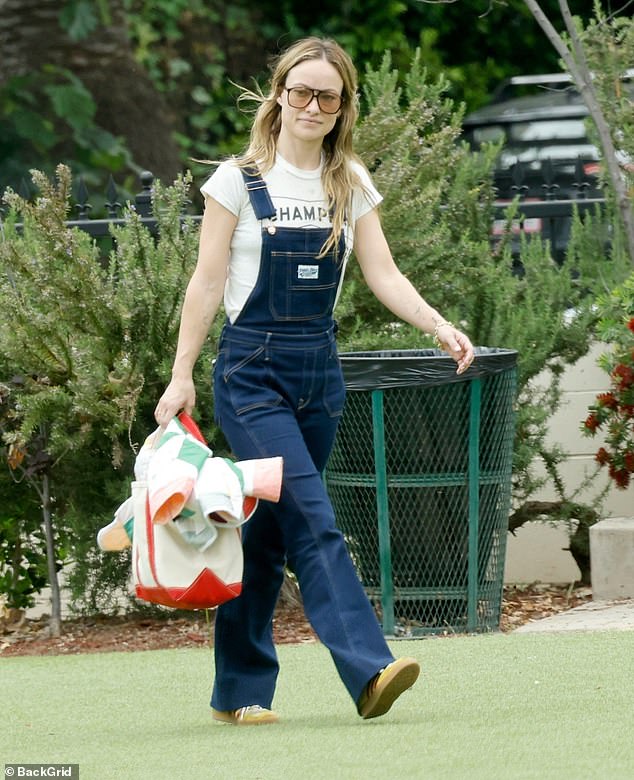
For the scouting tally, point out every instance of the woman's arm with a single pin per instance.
(398, 294)
(202, 299)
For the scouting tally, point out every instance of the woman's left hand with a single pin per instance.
(457, 345)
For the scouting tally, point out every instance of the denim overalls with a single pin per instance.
(279, 390)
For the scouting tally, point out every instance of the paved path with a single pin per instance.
(593, 616)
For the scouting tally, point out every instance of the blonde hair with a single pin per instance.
(338, 178)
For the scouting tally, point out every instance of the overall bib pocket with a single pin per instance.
(301, 287)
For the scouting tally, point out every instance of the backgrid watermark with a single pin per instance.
(42, 770)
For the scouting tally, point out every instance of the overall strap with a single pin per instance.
(258, 193)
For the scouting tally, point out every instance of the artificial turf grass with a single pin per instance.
(496, 706)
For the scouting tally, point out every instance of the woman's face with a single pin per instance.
(310, 123)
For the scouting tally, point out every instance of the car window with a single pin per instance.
(532, 142)
(487, 134)
(533, 154)
(550, 130)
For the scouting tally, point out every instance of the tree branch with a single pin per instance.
(578, 67)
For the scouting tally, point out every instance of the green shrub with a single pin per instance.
(612, 413)
(23, 571)
(92, 340)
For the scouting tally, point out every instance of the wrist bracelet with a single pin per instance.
(438, 326)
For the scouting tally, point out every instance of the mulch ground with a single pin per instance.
(19, 637)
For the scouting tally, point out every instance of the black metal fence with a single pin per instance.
(113, 206)
(545, 206)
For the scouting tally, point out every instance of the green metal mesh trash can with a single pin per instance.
(420, 479)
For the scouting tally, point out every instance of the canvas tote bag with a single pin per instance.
(170, 571)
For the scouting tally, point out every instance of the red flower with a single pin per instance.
(630, 324)
(592, 422)
(608, 400)
(622, 478)
(628, 460)
(625, 375)
(602, 456)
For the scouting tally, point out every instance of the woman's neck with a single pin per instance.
(305, 156)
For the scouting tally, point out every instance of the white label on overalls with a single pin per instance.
(308, 272)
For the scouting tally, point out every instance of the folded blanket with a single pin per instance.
(189, 486)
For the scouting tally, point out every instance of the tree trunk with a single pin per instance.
(128, 104)
(577, 65)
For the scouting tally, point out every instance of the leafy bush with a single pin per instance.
(92, 340)
(48, 115)
(612, 413)
(23, 571)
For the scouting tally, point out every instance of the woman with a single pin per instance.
(279, 224)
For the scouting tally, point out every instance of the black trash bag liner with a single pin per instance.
(384, 369)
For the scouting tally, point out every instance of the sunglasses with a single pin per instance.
(300, 97)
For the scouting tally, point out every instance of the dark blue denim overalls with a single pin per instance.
(279, 391)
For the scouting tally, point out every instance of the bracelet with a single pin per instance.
(438, 326)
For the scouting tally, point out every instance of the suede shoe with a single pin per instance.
(253, 715)
(386, 686)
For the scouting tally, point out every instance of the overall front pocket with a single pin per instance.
(246, 378)
(301, 287)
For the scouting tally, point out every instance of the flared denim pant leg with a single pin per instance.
(299, 529)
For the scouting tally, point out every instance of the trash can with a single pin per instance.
(420, 479)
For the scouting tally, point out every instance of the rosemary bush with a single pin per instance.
(90, 342)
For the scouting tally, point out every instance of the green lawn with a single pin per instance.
(495, 706)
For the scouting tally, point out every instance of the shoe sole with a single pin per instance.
(400, 676)
(230, 718)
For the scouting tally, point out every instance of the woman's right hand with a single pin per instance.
(179, 395)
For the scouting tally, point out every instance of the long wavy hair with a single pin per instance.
(338, 178)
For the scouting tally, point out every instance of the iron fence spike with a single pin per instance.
(112, 204)
(82, 206)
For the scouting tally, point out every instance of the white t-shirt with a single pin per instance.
(299, 202)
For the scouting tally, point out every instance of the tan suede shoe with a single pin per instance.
(385, 687)
(253, 715)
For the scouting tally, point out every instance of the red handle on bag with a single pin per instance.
(187, 422)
